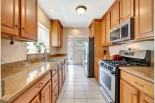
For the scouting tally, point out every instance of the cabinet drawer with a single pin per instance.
(140, 84)
(54, 70)
(145, 99)
(55, 94)
(59, 65)
(54, 81)
(28, 95)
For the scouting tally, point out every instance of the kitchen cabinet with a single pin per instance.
(46, 93)
(90, 31)
(95, 70)
(107, 31)
(60, 79)
(36, 99)
(115, 13)
(56, 33)
(144, 92)
(145, 99)
(144, 19)
(20, 24)
(103, 26)
(55, 94)
(128, 94)
(10, 17)
(29, 20)
(126, 9)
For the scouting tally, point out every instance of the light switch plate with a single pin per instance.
(3, 59)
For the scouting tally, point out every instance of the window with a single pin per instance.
(43, 38)
(80, 45)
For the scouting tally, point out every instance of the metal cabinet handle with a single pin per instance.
(138, 84)
(55, 80)
(18, 25)
(117, 20)
(24, 28)
(120, 18)
(133, 94)
(38, 86)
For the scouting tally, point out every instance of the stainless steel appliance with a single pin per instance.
(109, 71)
(122, 32)
(88, 61)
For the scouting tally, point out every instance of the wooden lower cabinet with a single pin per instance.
(55, 94)
(60, 79)
(95, 70)
(145, 99)
(98, 73)
(46, 93)
(128, 94)
(36, 99)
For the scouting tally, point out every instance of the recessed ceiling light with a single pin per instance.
(51, 9)
(62, 8)
(75, 26)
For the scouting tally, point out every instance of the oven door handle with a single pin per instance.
(106, 70)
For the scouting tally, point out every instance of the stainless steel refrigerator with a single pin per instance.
(88, 58)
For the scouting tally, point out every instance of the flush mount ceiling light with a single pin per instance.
(51, 9)
(75, 26)
(81, 10)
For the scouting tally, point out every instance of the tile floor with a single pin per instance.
(77, 88)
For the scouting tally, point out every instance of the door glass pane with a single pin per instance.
(115, 35)
(70, 51)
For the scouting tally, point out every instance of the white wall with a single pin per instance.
(77, 59)
(143, 45)
(71, 32)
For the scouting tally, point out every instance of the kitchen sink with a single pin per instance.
(51, 60)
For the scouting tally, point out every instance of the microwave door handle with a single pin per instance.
(120, 33)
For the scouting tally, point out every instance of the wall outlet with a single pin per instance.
(3, 59)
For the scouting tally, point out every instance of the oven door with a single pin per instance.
(107, 81)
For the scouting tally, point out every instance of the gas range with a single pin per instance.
(110, 73)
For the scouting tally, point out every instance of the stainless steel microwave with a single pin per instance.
(123, 32)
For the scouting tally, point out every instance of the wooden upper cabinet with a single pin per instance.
(29, 19)
(115, 16)
(108, 27)
(144, 19)
(90, 31)
(128, 94)
(10, 17)
(56, 33)
(36, 99)
(93, 29)
(103, 32)
(145, 99)
(46, 93)
(126, 9)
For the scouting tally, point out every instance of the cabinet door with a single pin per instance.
(90, 31)
(103, 32)
(36, 99)
(59, 82)
(55, 94)
(29, 19)
(108, 29)
(115, 16)
(46, 93)
(98, 73)
(59, 33)
(144, 19)
(93, 29)
(10, 19)
(145, 99)
(61, 37)
(95, 70)
(128, 94)
(126, 9)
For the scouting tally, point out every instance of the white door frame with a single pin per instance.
(71, 63)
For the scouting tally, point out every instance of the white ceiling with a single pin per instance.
(95, 10)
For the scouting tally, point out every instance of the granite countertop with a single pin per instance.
(146, 73)
(15, 81)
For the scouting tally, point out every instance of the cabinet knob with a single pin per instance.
(117, 20)
(133, 94)
(24, 28)
(120, 18)
(18, 25)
